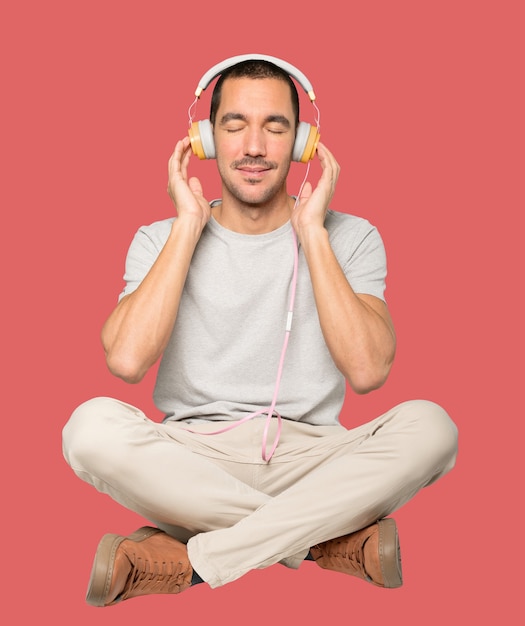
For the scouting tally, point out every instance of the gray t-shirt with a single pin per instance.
(222, 359)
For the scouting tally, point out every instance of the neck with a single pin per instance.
(253, 219)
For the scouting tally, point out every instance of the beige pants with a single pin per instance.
(235, 511)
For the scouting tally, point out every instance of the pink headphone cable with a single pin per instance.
(270, 411)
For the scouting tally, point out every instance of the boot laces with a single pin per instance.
(149, 576)
(344, 554)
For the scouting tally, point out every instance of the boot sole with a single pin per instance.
(104, 563)
(390, 553)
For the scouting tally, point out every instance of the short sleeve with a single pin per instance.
(366, 267)
(143, 251)
(360, 251)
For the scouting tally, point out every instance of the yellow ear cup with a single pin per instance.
(195, 139)
(311, 145)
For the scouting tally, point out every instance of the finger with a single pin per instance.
(195, 185)
(175, 158)
(185, 160)
(330, 168)
(181, 149)
(178, 162)
(326, 158)
(306, 191)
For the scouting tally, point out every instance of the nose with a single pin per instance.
(254, 142)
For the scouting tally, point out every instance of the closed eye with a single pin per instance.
(232, 122)
(235, 122)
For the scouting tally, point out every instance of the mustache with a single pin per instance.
(254, 162)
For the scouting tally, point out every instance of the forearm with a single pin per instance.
(357, 329)
(138, 330)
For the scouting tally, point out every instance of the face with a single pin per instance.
(254, 134)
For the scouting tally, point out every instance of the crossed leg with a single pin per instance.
(238, 513)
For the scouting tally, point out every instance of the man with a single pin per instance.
(251, 466)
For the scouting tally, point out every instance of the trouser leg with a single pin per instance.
(315, 488)
(115, 448)
(384, 465)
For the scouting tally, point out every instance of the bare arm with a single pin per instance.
(137, 331)
(357, 328)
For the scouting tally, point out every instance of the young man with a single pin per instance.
(251, 466)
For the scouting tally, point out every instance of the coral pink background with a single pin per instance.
(422, 103)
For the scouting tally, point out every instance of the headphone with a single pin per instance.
(201, 132)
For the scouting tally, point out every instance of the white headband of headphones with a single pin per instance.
(287, 67)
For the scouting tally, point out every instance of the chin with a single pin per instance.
(253, 197)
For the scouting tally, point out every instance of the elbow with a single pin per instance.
(129, 370)
(366, 380)
(122, 360)
(362, 387)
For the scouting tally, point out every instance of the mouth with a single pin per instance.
(253, 172)
(253, 167)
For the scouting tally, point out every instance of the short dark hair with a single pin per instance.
(253, 68)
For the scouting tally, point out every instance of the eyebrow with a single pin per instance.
(279, 119)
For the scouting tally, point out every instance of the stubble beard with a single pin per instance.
(246, 195)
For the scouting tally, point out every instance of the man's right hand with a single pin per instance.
(186, 193)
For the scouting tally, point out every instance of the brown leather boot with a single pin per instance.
(147, 561)
(371, 554)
